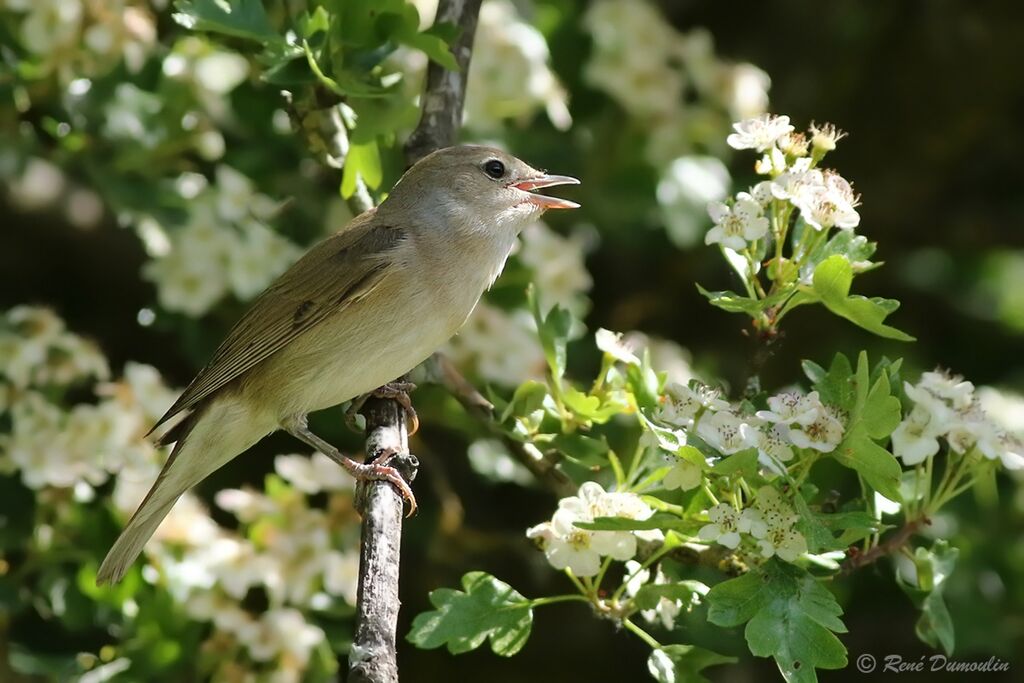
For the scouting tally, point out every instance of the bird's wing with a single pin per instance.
(331, 276)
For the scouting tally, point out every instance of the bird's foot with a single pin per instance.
(399, 391)
(378, 469)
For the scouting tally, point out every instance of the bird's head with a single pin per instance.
(479, 187)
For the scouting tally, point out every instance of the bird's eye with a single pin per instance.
(495, 169)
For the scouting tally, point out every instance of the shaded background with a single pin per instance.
(932, 95)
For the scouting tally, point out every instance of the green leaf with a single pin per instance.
(583, 450)
(743, 463)
(878, 466)
(238, 18)
(732, 302)
(836, 386)
(935, 625)
(881, 413)
(553, 329)
(873, 414)
(363, 161)
(832, 280)
(790, 616)
(683, 663)
(528, 397)
(488, 608)
(856, 248)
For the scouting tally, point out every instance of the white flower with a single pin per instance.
(916, 437)
(666, 610)
(773, 526)
(684, 475)
(723, 528)
(312, 474)
(499, 346)
(236, 199)
(823, 435)
(773, 445)
(737, 225)
(613, 345)
(752, 522)
(825, 138)
(724, 432)
(686, 187)
(567, 546)
(787, 544)
(792, 408)
(258, 257)
(789, 184)
(559, 267)
(682, 403)
(759, 133)
(830, 204)
(281, 632)
(510, 76)
(341, 575)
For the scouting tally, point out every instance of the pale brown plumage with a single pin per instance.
(362, 307)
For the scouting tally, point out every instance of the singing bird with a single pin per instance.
(361, 308)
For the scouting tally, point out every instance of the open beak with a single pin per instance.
(547, 181)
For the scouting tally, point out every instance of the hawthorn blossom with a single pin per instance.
(829, 204)
(613, 344)
(792, 408)
(824, 138)
(684, 475)
(723, 528)
(823, 434)
(724, 432)
(759, 133)
(916, 437)
(567, 546)
(682, 404)
(737, 225)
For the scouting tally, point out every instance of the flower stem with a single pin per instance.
(551, 600)
(641, 634)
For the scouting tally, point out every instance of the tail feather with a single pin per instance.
(206, 440)
(131, 541)
(151, 511)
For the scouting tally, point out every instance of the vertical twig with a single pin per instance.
(445, 90)
(373, 658)
(373, 655)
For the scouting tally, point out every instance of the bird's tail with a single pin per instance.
(206, 441)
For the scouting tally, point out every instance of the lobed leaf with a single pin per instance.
(486, 608)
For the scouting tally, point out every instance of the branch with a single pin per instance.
(889, 546)
(373, 657)
(440, 369)
(446, 90)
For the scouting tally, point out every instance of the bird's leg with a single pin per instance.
(399, 391)
(375, 470)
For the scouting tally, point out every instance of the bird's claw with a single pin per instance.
(399, 391)
(379, 470)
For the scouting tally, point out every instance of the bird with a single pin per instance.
(359, 309)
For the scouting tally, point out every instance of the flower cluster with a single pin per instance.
(74, 38)
(510, 75)
(304, 558)
(946, 407)
(823, 198)
(567, 546)
(225, 245)
(769, 523)
(792, 420)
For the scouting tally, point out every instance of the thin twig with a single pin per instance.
(445, 90)
(892, 544)
(442, 370)
(373, 656)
